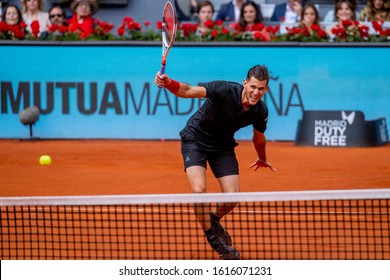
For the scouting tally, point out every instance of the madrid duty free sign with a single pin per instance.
(340, 129)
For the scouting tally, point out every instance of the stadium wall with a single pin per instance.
(105, 90)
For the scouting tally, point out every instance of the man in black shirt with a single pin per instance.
(209, 137)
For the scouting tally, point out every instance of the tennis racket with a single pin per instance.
(169, 26)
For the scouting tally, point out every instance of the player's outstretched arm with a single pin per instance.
(178, 88)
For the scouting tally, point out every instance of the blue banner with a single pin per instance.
(107, 91)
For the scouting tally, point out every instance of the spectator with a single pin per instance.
(205, 12)
(82, 20)
(309, 17)
(289, 12)
(230, 11)
(331, 15)
(249, 16)
(57, 15)
(345, 10)
(12, 15)
(376, 10)
(58, 25)
(185, 9)
(33, 10)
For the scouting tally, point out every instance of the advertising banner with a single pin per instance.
(107, 91)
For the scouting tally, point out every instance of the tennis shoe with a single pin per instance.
(225, 251)
(233, 254)
(219, 230)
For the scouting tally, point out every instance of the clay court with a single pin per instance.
(112, 167)
(97, 167)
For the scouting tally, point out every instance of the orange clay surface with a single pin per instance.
(99, 167)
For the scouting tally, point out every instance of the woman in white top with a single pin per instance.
(34, 10)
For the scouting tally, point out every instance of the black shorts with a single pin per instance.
(222, 163)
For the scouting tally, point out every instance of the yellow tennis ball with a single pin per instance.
(45, 160)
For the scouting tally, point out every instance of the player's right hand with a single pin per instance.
(161, 80)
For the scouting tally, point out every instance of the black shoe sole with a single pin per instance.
(232, 255)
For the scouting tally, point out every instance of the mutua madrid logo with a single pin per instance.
(332, 132)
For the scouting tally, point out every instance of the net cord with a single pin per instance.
(356, 194)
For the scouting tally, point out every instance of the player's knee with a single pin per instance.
(199, 188)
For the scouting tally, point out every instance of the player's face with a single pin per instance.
(255, 90)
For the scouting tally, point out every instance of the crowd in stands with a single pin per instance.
(199, 20)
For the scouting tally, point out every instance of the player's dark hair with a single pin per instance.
(259, 72)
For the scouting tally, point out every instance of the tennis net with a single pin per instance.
(342, 224)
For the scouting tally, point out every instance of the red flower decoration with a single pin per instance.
(209, 24)
(219, 22)
(35, 28)
(121, 30)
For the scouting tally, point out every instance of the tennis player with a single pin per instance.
(209, 137)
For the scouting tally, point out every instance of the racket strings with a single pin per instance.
(169, 22)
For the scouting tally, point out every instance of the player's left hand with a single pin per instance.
(263, 164)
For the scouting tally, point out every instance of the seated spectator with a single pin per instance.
(82, 20)
(33, 10)
(345, 14)
(330, 16)
(58, 25)
(205, 12)
(309, 17)
(185, 9)
(12, 15)
(289, 12)
(230, 11)
(345, 10)
(249, 15)
(13, 26)
(250, 22)
(57, 15)
(376, 10)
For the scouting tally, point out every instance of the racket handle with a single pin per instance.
(162, 69)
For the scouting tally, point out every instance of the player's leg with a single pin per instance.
(229, 183)
(225, 168)
(195, 163)
(197, 178)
